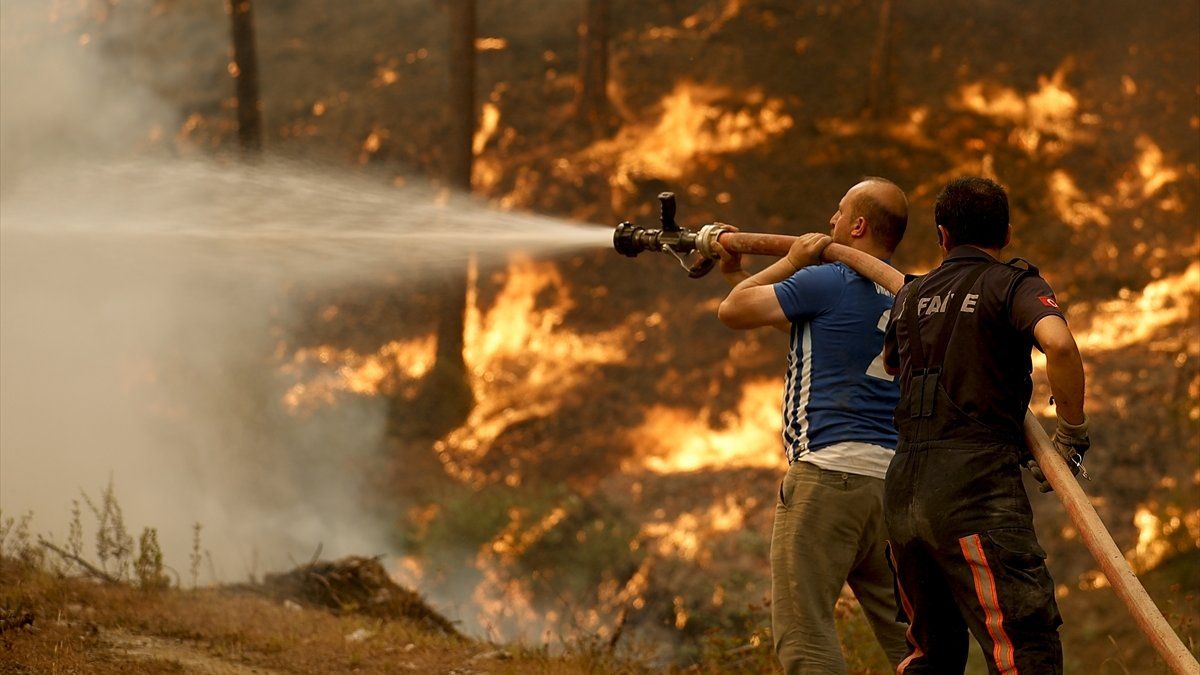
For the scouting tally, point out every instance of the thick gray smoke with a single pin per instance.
(142, 298)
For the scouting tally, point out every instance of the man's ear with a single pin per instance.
(943, 237)
(859, 229)
(1007, 235)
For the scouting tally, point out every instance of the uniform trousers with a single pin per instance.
(967, 559)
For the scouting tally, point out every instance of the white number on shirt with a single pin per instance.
(877, 369)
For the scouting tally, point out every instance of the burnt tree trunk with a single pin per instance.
(462, 92)
(444, 399)
(245, 74)
(593, 64)
(448, 387)
(879, 92)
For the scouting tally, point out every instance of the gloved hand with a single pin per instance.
(1071, 442)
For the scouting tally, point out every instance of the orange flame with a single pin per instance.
(1052, 110)
(366, 374)
(1136, 317)
(678, 439)
(693, 124)
(521, 360)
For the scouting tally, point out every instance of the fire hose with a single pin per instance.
(680, 242)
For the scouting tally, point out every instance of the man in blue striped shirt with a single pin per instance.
(837, 428)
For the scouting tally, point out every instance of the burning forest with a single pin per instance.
(303, 276)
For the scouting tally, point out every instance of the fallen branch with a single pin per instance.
(87, 566)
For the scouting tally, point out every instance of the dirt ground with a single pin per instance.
(81, 626)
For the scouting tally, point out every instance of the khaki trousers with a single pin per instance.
(829, 531)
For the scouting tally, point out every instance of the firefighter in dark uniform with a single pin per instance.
(960, 524)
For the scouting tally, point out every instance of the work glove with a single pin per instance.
(1071, 442)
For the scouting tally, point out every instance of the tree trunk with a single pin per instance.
(245, 73)
(593, 64)
(445, 398)
(448, 381)
(879, 92)
(462, 92)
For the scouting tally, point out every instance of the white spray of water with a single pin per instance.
(287, 220)
(141, 302)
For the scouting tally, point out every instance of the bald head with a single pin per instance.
(885, 208)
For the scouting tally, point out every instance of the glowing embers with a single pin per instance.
(1072, 205)
(679, 439)
(1050, 114)
(486, 172)
(1142, 183)
(697, 121)
(1151, 173)
(680, 538)
(372, 143)
(393, 368)
(1162, 531)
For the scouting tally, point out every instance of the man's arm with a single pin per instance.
(1064, 367)
(731, 269)
(752, 302)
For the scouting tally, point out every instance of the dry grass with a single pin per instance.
(83, 626)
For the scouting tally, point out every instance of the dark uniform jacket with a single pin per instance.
(984, 373)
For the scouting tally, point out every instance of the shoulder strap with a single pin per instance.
(915, 349)
(1029, 268)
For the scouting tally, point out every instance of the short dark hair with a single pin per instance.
(974, 211)
(887, 223)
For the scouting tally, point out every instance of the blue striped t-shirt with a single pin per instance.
(836, 389)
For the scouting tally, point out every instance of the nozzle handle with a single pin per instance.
(666, 203)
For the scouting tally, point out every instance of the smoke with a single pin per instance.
(144, 298)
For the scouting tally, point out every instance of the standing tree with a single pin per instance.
(593, 64)
(445, 398)
(879, 91)
(447, 385)
(244, 69)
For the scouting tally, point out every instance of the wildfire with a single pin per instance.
(521, 359)
(393, 364)
(1147, 177)
(682, 536)
(1051, 111)
(516, 539)
(678, 439)
(696, 121)
(1072, 205)
(1136, 317)
(1151, 173)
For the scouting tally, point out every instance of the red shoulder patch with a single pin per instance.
(1048, 300)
